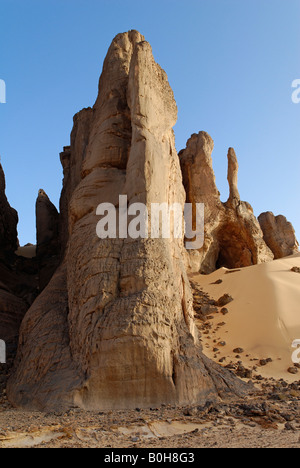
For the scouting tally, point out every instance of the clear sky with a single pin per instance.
(231, 64)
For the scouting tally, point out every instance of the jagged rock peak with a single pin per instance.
(8, 222)
(48, 240)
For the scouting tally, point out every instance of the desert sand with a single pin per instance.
(264, 317)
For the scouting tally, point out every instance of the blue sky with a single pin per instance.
(231, 64)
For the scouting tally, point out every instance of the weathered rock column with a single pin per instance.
(279, 234)
(232, 177)
(114, 328)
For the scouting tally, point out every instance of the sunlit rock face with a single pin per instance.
(114, 328)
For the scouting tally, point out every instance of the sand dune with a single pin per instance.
(264, 318)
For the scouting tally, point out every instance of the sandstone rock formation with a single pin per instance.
(72, 165)
(48, 245)
(8, 223)
(17, 277)
(200, 185)
(233, 237)
(279, 235)
(232, 177)
(114, 327)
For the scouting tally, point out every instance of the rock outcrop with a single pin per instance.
(233, 237)
(114, 328)
(17, 277)
(71, 159)
(48, 242)
(279, 234)
(8, 223)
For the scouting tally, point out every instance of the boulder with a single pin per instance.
(279, 235)
(48, 245)
(17, 279)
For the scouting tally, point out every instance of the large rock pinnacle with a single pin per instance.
(279, 234)
(233, 237)
(114, 328)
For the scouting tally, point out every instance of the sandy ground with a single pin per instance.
(262, 320)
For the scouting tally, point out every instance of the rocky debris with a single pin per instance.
(224, 300)
(293, 370)
(295, 270)
(233, 237)
(12, 311)
(114, 328)
(200, 186)
(48, 242)
(265, 362)
(72, 159)
(279, 235)
(258, 420)
(243, 372)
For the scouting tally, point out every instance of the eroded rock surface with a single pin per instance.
(200, 185)
(233, 237)
(17, 275)
(8, 222)
(48, 242)
(114, 328)
(279, 234)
